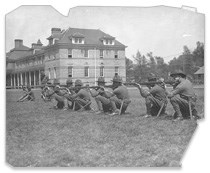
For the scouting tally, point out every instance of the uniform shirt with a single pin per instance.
(83, 94)
(158, 91)
(121, 92)
(184, 88)
(101, 92)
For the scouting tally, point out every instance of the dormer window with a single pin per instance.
(51, 42)
(78, 40)
(55, 40)
(108, 40)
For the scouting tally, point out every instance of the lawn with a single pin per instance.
(37, 136)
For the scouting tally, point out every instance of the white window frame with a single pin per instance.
(54, 70)
(102, 67)
(71, 70)
(116, 54)
(101, 57)
(87, 71)
(116, 71)
(70, 54)
(49, 71)
(77, 40)
(87, 53)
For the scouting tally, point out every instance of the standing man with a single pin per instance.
(44, 79)
(102, 97)
(180, 97)
(155, 98)
(120, 98)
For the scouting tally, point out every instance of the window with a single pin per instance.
(69, 53)
(116, 70)
(56, 40)
(54, 72)
(50, 41)
(86, 53)
(102, 71)
(78, 40)
(101, 53)
(70, 71)
(49, 73)
(86, 71)
(108, 42)
(116, 54)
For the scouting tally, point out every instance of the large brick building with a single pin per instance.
(81, 53)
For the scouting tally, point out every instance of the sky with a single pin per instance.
(161, 30)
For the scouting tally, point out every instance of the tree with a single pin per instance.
(129, 69)
(141, 67)
(198, 54)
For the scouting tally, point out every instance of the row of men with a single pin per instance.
(78, 98)
(117, 101)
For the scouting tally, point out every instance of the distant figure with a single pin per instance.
(155, 98)
(44, 80)
(181, 95)
(28, 94)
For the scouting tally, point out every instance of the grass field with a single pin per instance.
(41, 137)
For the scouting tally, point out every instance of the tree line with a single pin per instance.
(188, 61)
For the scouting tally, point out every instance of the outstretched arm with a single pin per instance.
(144, 93)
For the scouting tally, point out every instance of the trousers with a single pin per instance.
(153, 105)
(103, 103)
(116, 103)
(181, 106)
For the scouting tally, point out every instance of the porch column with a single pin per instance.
(14, 80)
(11, 80)
(39, 77)
(29, 77)
(21, 78)
(34, 78)
(18, 82)
(26, 78)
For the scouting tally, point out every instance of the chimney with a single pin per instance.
(55, 30)
(37, 45)
(18, 43)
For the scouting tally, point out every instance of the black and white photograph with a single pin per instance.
(104, 86)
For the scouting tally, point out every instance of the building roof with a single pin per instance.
(200, 70)
(14, 55)
(21, 47)
(92, 36)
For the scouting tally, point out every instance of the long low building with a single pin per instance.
(84, 54)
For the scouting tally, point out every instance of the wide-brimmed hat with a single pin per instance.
(57, 86)
(178, 73)
(101, 80)
(78, 82)
(117, 79)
